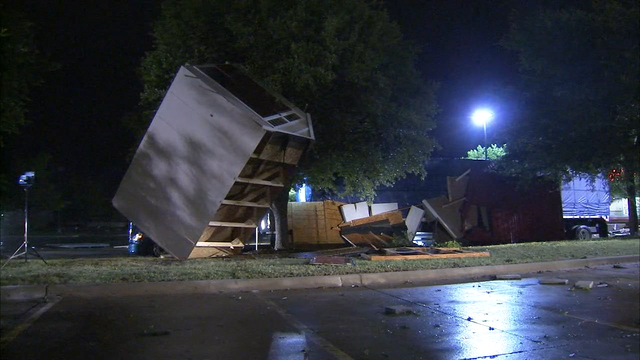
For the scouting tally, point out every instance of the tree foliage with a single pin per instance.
(580, 97)
(494, 152)
(21, 67)
(342, 61)
(580, 108)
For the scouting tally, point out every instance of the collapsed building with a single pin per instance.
(463, 201)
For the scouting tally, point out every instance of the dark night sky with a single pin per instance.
(459, 43)
(77, 115)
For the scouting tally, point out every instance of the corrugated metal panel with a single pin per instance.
(584, 196)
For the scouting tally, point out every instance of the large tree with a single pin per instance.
(580, 109)
(343, 61)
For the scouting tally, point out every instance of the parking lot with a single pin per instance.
(516, 319)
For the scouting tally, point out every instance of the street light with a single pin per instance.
(481, 117)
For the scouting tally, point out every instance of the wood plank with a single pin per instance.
(448, 217)
(248, 195)
(454, 202)
(259, 182)
(233, 244)
(230, 245)
(379, 239)
(248, 224)
(245, 203)
(425, 256)
(394, 217)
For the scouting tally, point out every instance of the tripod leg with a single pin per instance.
(15, 254)
(37, 254)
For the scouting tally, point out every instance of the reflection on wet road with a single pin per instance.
(515, 319)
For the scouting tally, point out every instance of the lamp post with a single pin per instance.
(481, 117)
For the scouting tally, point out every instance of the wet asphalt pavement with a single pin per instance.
(515, 319)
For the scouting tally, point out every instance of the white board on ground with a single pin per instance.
(355, 211)
(414, 218)
(383, 208)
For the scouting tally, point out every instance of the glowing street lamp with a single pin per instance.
(482, 117)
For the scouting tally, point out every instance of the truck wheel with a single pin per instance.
(583, 233)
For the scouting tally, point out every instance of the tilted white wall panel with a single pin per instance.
(196, 145)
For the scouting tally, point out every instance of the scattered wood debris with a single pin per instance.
(583, 285)
(398, 310)
(374, 231)
(554, 281)
(418, 253)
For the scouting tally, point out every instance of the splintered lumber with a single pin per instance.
(368, 239)
(425, 254)
(394, 217)
(217, 249)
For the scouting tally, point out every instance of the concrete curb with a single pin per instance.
(418, 277)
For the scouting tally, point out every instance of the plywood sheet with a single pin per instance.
(313, 223)
(447, 213)
(383, 207)
(457, 186)
(413, 221)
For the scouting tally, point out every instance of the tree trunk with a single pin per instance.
(631, 201)
(279, 208)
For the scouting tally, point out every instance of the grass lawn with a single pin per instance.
(148, 269)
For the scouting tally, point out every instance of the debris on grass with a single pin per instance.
(421, 253)
(331, 260)
(583, 285)
(398, 310)
(554, 281)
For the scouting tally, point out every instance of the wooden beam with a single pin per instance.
(218, 244)
(454, 202)
(248, 224)
(263, 174)
(251, 194)
(463, 175)
(259, 182)
(245, 203)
